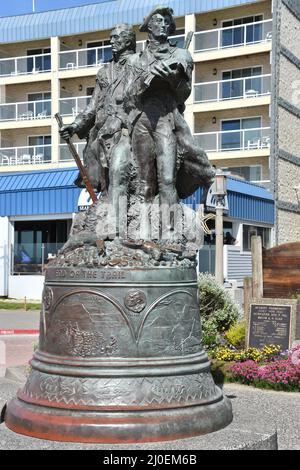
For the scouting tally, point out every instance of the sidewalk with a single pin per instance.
(19, 320)
(17, 349)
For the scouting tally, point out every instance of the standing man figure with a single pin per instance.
(159, 82)
(104, 123)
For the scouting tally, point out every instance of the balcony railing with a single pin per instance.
(95, 56)
(90, 57)
(64, 152)
(73, 106)
(239, 88)
(228, 141)
(178, 40)
(29, 155)
(25, 65)
(233, 36)
(25, 110)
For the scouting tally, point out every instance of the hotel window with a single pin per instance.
(42, 109)
(250, 230)
(99, 55)
(241, 134)
(249, 173)
(40, 63)
(42, 147)
(249, 33)
(232, 87)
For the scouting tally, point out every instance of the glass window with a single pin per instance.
(248, 139)
(249, 173)
(40, 63)
(44, 109)
(98, 53)
(237, 36)
(234, 88)
(40, 145)
(36, 242)
(250, 230)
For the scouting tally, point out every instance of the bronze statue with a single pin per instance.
(120, 358)
(104, 122)
(159, 82)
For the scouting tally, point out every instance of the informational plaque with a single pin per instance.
(270, 324)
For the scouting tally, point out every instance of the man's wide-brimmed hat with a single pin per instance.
(162, 11)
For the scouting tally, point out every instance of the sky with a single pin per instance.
(18, 7)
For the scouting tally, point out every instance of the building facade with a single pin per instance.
(242, 110)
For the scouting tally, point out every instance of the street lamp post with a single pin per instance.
(219, 192)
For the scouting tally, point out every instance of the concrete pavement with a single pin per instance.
(19, 319)
(256, 412)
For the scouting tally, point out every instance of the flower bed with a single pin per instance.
(279, 374)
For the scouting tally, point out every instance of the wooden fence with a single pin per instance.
(281, 270)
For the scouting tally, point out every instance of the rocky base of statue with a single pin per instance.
(119, 360)
(99, 238)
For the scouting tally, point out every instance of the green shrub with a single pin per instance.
(236, 335)
(217, 309)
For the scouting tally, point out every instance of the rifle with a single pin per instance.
(83, 172)
(188, 39)
(77, 159)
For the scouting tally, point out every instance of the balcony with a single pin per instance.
(90, 57)
(96, 56)
(246, 88)
(25, 65)
(64, 152)
(73, 106)
(26, 110)
(241, 36)
(29, 155)
(255, 141)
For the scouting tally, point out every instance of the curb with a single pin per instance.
(19, 332)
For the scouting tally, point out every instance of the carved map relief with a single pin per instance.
(171, 327)
(89, 324)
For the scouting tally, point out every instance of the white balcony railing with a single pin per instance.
(233, 36)
(29, 155)
(25, 65)
(178, 40)
(73, 106)
(228, 141)
(95, 56)
(89, 57)
(239, 88)
(64, 152)
(25, 110)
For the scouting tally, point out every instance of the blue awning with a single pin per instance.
(246, 201)
(53, 192)
(97, 16)
(38, 192)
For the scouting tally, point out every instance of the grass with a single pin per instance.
(5, 305)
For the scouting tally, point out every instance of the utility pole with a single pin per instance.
(219, 192)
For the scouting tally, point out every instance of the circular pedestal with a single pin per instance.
(120, 360)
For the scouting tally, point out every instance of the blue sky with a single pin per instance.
(18, 7)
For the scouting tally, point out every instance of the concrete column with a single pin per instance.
(4, 255)
(189, 117)
(55, 94)
(190, 26)
(2, 94)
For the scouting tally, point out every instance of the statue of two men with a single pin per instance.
(135, 119)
